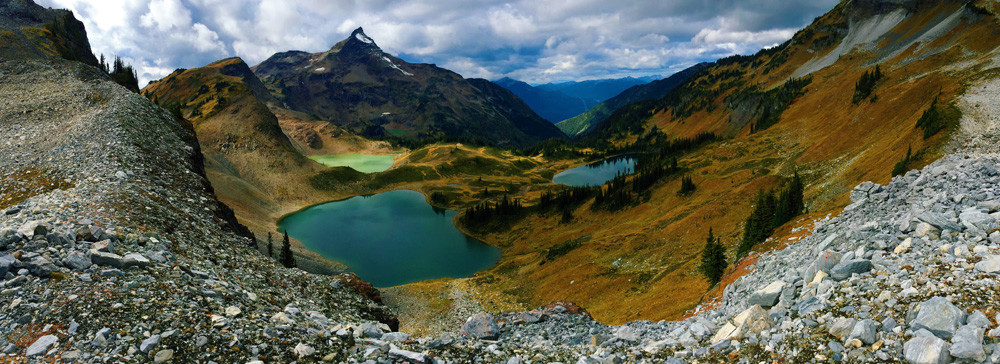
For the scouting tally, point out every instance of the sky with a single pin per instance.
(537, 41)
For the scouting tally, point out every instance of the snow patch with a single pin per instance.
(321, 69)
(363, 38)
(393, 65)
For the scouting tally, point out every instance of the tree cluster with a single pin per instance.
(770, 212)
(864, 87)
(121, 73)
(503, 211)
(287, 259)
(687, 186)
(937, 118)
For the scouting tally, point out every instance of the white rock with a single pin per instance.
(42, 345)
(302, 350)
(903, 247)
(233, 311)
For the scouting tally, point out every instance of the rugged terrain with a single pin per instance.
(356, 84)
(113, 245)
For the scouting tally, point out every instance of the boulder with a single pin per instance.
(60, 237)
(939, 221)
(147, 345)
(989, 264)
(844, 270)
(9, 237)
(751, 321)
(481, 326)
(810, 305)
(41, 267)
(107, 259)
(842, 327)
(924, 229)
(41, 345)
(864, 330)
(977, 220)
(135, 260)
(77, 261)
(926, 349)
(968, 343)
(823, 263)
(302, 350)
(939, 317)
(406, 355)
(767, 296)
(163, 355)
(903, 247)
(6, 261)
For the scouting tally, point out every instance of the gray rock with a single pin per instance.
(147, 345)
(395, 336)
(369, 329)
(163, 355)
(107, 259)
(938, 316)
(926, 349)
(135, 260)
(60, 237)
(481, 326)
(41, 346)
(989, 264)
(768, 295)
(968, 343)
(977, 220)
(9, 237)
(6, 261)
(41, 267)
(407, 355)
(864, 331)
(939, 221)
(77, 261)
(978, 318)
(71, 356)
(825, 262)
(810, 305)
(844, 270)
(842, 327)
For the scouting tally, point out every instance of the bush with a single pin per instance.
(936, 118)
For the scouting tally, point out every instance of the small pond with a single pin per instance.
(390, 238)
(360, 162)
(597, 173)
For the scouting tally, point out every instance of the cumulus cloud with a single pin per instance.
(536, 41)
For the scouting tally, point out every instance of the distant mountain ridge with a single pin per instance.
(553, 106)
(600, 90)
(583, 122)
(357, 85)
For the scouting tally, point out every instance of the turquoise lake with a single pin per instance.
(390, 238)
(595, 174)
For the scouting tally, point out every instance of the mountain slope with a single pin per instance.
(356, 84)
(580, 123)
(240, 137)
(641, 262)
(553, 106)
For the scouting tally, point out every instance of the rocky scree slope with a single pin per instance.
(113, 246)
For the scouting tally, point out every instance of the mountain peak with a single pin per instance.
(359, 35)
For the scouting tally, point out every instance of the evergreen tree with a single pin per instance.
(287, 259)
(687, 186)
(713, 259)
(902, 165)
(270, 246)
(759, 225)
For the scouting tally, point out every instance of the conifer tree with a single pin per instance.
(287, 259)
(270, 246)
(713, 259)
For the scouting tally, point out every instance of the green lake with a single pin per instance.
(360, 162)
(596, 174)
(390, 238)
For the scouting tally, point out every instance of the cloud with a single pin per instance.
(536, 41)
